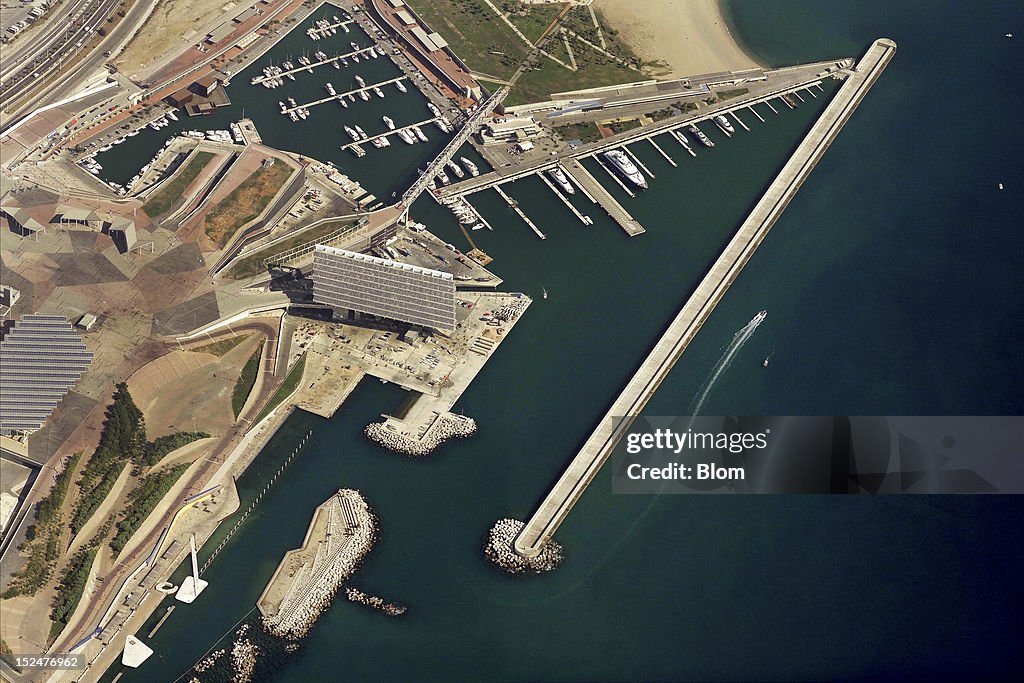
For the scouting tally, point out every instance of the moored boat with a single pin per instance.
(625, 167)
(558, 175)
(699, 134)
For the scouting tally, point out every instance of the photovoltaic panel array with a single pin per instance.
(41, 358)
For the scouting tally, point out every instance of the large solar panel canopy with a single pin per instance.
(41, 358)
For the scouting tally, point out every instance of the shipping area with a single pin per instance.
(187, 219)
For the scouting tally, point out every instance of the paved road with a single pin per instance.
(42, 32)
(52, 49)
(69, 82)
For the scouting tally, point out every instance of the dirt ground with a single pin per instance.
(253, 195)
(165, 390)
(172, 24)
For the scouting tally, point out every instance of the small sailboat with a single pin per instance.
(765, 363)
(545, 295)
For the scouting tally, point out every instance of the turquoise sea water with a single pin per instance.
(893, 286)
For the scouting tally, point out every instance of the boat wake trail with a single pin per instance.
(738, 340)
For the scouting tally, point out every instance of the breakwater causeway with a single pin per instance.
(539, 529)
(340, 535)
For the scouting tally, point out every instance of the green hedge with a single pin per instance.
(43, 538)
(142, 500)
(246, 381)
(72, 585)
(155, 451)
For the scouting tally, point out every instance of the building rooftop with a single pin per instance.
(356, 256)
(71, 213)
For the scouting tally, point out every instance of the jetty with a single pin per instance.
(338, 96)
(552, 511)
(586, 220)
(596, 192)
(309, 67)
(322, 29)
(428, 421)
(340, 535)
(514, 205)
(387, 133)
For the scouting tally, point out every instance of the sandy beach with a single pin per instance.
(690, 36)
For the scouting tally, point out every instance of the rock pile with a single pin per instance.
(209, 661)
(243, 657)
(447, 426)
(389, 608)
(499, 549)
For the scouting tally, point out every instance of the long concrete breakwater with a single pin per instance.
(556, 506)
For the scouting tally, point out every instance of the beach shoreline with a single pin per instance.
(688, 37)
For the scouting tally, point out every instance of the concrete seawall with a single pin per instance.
(584, 467)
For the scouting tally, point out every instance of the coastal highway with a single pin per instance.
(59, 43)
(36, 39)
(595, 451)
(68, 39)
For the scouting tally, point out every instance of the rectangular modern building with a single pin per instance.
(350, 281)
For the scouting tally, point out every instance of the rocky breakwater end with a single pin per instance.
(243, 657)
(447, 426)
(349, 532)
(499, 549)
(389, 608)
(207, 662)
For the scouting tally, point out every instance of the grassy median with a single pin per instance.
(246, 381)
(165, 198)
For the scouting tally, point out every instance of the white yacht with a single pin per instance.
(625, 166)
(558, 175)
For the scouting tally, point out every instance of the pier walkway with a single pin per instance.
(585, 466)
(394, 131)
(312, 65)
(795, 78)
(321, 32)
(338, 96)
(603, 197)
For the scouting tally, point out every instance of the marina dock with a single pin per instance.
(515, 207)
(338, 96)
(596, 191)
(324, 30)
(662, 152)
(586, 220)
(387, 133)
(312, 65)
(553, 510)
